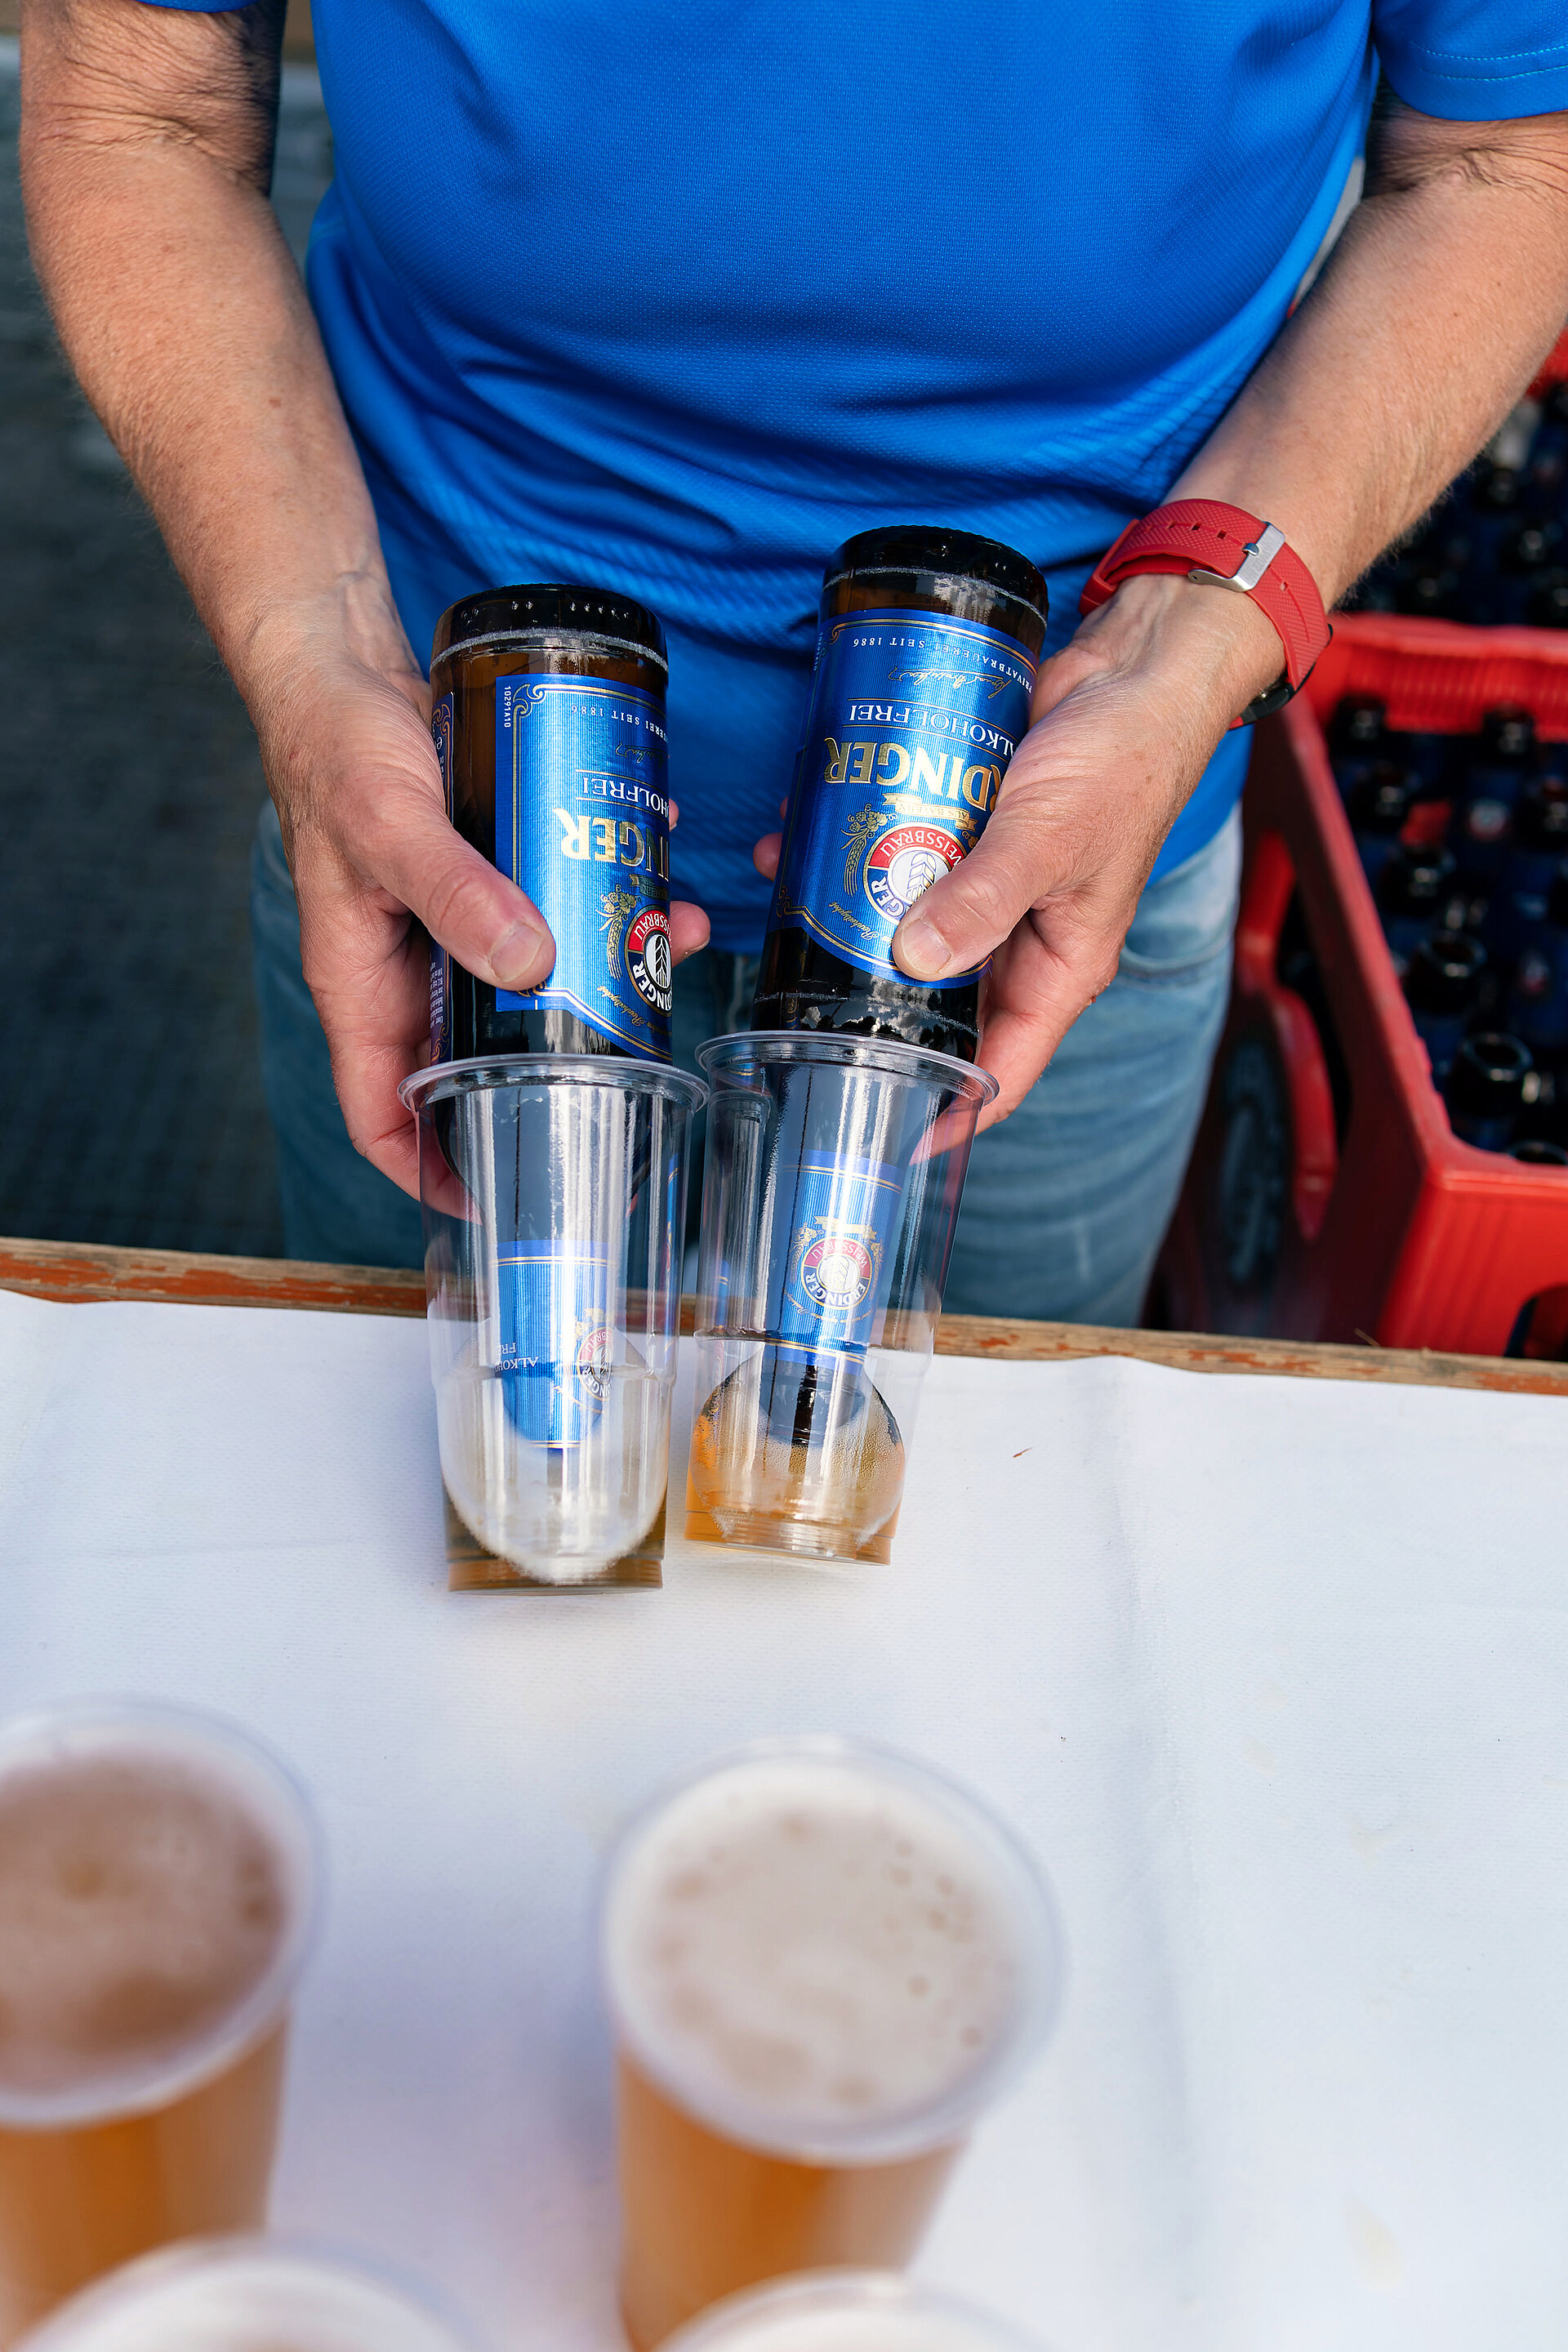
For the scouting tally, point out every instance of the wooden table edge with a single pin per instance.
(86, 1271)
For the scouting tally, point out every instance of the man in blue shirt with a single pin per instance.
(677, 294)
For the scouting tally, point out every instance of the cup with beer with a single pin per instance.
(250, 2294)
(159, 1886)
(554, 1187)
(823, 1961)
(834, 1170)
(847, 2311)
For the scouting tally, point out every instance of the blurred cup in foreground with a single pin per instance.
(249, 2295)
(847, 2311)
(159, 1879)
(823, 1961)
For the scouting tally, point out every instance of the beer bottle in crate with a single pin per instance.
(926, 657)
(1538, 1004)
(1415, 891)
(1443, 989)
(1518, 907)
(1379, 804)
(1487, 1087)
(1491, 782)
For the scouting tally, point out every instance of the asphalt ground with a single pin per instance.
(129, 785)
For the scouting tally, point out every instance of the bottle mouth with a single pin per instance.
(1444, 972)
(1489, 1075)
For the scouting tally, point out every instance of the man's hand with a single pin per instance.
(343, 716)
(1447, 290)
(146, 151)
(1126, 719)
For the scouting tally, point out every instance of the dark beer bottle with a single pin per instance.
(1443, 988)
(1518, 907)
(549, 723)
(1413, 893)
(1538, 1005)
(1486, 1090)
(1358, 729)
(1547, 607)
(1379, 804)
(926, 657)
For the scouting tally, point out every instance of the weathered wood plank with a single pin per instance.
(82, 1271)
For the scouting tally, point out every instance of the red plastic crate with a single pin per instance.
(1555, 366)
(1392, 1230)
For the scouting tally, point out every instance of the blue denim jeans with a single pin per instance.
(1067, 1202)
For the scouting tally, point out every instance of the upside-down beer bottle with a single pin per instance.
(549, 723)
(925, 667)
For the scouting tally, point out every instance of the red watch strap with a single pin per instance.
(1204, 537)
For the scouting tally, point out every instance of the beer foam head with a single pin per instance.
(864, 2311)
(244, 2295)
(154, 1890)
(817, 1950)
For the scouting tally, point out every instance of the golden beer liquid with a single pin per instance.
(74, 2203)
(704, 2216)
(824, 1481)
(816, 1964)
(142, 1904)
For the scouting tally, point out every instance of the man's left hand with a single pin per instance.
(1125, 720)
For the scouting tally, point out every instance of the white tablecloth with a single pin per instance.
(1273, 1673)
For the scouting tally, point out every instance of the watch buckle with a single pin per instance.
(1256, 555)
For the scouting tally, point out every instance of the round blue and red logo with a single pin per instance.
(837, 1271)
(905, 861)
(648, 964)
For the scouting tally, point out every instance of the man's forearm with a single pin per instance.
(1432, 313)
(144, 167)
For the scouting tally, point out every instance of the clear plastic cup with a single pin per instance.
(822, 1962)
(835, 1167)
(848, 2311)
(553, 1188)
(251, 2294)
(159, 1890)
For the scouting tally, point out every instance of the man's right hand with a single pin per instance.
(343, 716)
(146, 152)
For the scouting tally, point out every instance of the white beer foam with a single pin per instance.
(154, 1897)
(879, 2327)
(803, 1947)
(242, 2297)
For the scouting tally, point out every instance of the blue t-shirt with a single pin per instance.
(675, 295)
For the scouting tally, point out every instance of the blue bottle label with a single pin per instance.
(556, 1343)
(827, 1289)
(912, 722)
(583, 827)
(440, 961)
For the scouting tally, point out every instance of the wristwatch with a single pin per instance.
(1221, 546)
